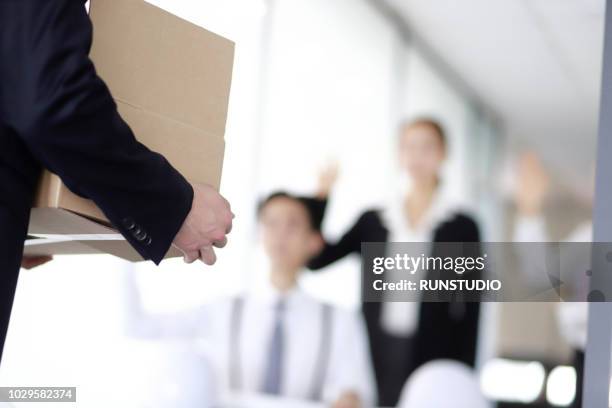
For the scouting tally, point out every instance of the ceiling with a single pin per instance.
(536, 63)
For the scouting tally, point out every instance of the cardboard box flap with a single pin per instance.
(61, 232)
(54, 221)
(49, 247)
(143, 66)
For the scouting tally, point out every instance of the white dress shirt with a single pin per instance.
(572, 317)
(401, 318)
(210, 326)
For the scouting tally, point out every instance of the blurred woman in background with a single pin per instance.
(404, 335)
(531, 193)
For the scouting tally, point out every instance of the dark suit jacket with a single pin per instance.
(446, 330)
(56, 112)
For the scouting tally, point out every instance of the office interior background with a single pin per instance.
(321, 81)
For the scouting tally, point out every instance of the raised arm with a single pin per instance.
(368, 228)
(530, 227)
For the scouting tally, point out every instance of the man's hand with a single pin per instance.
(347, 400)
(206, 225)
(30, 262)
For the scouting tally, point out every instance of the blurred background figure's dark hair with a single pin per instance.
(314, 207)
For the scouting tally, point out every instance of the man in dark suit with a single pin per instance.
(57, 113)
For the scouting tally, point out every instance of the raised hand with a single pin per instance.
(532, 185)
(327, 178)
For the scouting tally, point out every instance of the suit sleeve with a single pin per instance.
(455, 332)
(368, 228)
(65, 114)
(465, 324)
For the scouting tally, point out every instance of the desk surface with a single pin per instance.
(262, 401)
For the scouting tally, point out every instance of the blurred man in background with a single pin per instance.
(277, 341)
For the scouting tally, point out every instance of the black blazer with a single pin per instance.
(56, 112)
(445, 330)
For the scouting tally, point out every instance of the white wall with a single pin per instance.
(428, 93)
(330, 80)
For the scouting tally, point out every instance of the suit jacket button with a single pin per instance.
(148, 241)
(140, 235)
(129, 223)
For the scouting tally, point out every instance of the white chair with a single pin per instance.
(442, 384)
(162, 375)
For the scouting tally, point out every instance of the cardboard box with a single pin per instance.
(171, 81)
